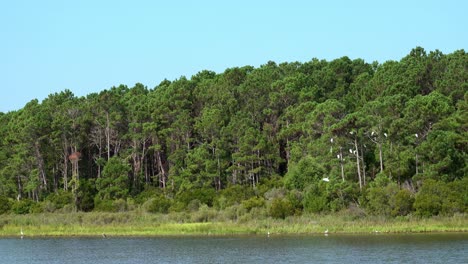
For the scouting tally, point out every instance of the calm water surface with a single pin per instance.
(380, 248)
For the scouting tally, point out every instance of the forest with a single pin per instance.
(281, 140)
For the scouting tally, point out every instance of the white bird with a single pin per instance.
(268, 233)
(416, 135)
(372, 133)
(351, 132)
(331, 140)
(338, 156)
(326, 232)
(326, 179)
(21, 232)
(351, 151)
(385, 134)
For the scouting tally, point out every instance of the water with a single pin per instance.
(380, 248)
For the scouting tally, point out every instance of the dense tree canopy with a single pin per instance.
(385, 136)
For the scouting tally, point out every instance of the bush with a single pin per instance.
(281, 208)
(120, 205)
(204, 214)
(342, 194)
(5, 205)
(305, 172)
(194, 205)
(437, 197)
(402, 203)
(253, 202)
(158, 204)
(232, 195)
(204, 195)
(148, 193)
(296, 198)
(105, 205)
(86, 193)
(315, 199)
(22, 207)
(379, 197)
(60, 199)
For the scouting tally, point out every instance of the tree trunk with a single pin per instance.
(108, 135)
(358, 163)
(341, 164)
(380, 157)
(40, 165)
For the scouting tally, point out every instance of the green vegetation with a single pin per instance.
(214, 223)
(277, 147)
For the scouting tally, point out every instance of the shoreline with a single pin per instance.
(133, 224)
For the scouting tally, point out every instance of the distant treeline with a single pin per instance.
(287, 138)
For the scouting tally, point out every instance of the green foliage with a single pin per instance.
(114, 181)
(232, 195)
(253, 202)
(437, 197)
(248, 138)
(316, 198)
(158, 204)
(402, 203)
(305, 172)
(118, 205)
(379, 198)
(202, 195)
(281, 208)
(23, 206)
(5, 205)
(60, 199)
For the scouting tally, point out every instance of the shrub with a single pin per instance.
(232, 195)
(303, 173)
(120, 205)
(281, 208)
(437, 197)
(158, 204)
(60, 199)
(204, 195)
(194, 205)
(402, 203)
(296, 198)
(105, 205)
(22, 206)
(315, 199)
(148, 193)
(5, 205)
(379, 197)
(253, 202)
(204, 214)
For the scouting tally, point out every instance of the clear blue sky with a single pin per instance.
(88, 46)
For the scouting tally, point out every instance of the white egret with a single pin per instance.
(385, 134)
(326, 179)
(416, 135)
(21, 232)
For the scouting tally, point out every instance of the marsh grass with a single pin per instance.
(210, 222)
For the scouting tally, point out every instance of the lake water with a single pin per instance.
(378, 248)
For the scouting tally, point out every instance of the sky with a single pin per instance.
(87, 46)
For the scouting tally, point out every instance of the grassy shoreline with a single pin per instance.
(144, 224)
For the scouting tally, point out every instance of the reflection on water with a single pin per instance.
(381, 248)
